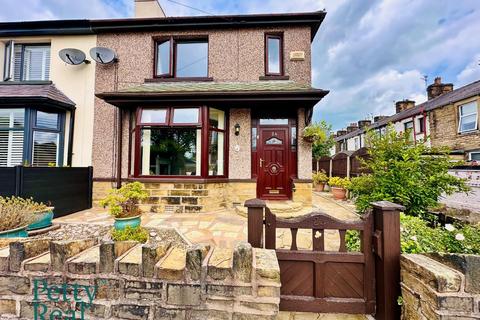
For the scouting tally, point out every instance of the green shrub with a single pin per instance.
(417, 237)
(411, 174)
(320, 177)
(339, 182)
(138, 234)
(123, 202)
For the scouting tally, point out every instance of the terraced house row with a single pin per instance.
(207, 110)
(449, 118)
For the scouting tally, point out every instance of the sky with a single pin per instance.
(368, 53)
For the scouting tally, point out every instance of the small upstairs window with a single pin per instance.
(181, 58)
(274, 55)
(27, 62)
(468, 117)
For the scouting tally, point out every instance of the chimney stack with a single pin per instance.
(364, 123)
(379, 118)
(341, 133)
(148, 9)
(352, 127)
(437, 88)
(404, 105)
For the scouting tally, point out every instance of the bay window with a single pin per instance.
(170, 142)
(31, 136)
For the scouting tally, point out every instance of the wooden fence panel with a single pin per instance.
(356, 166)
(340, 164)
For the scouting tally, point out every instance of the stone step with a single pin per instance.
(131, 262)
(85, 262)
(40, 263)
(172, 265)
(220, 263)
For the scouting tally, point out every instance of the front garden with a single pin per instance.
(415, 176)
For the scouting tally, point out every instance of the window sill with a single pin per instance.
(178, 179)
(274, 78)
(200, 79)
(468, 133)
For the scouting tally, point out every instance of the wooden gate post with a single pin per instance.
(387, 258)
(255, 222)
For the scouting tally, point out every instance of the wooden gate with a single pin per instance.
(320, 280)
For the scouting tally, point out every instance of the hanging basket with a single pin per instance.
(309, 139)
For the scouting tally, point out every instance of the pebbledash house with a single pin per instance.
(206, 111)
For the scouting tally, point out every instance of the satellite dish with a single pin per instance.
(103, 55)
(73, 56)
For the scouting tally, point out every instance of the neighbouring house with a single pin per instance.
(208, 111)
(448, 118)
(46, 105)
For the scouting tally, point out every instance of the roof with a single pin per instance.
(215, 92)
(465, 92)
(73, 27)
(34, 92)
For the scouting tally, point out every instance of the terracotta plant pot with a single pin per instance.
(320, 187)
(339, 193)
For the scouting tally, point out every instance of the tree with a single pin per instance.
(323, 139)
(411, 174)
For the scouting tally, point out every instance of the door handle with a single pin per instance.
(261, 162)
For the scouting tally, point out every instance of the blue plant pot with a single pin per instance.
(15, 233)
(122, 223)
(44, 220)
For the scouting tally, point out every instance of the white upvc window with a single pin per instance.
(468, 117)
(474, 156)
(357, 143)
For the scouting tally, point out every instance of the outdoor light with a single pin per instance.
(237, 129)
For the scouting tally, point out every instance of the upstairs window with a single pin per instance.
(181, 58)
(468, 116)
(274, 54)
(27, 62)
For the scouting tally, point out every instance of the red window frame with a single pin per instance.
(205, 129)
(278, 36)
(174, 41)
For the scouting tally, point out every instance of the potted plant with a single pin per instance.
(320, 179)
(43, 215)
(123, 204)
(339, 187)
(313, 133)
(15, 216)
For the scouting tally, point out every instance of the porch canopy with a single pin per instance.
(38, 93)
(227, 94)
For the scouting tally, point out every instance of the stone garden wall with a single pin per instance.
(93, 278)
(440, 287)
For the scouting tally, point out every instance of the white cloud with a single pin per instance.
(471, 72)
(367, 53)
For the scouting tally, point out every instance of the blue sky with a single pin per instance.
(369, 53)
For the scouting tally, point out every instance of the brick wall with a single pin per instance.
(126, 280)
(440, 287)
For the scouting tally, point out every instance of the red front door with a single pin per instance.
(273, 181)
